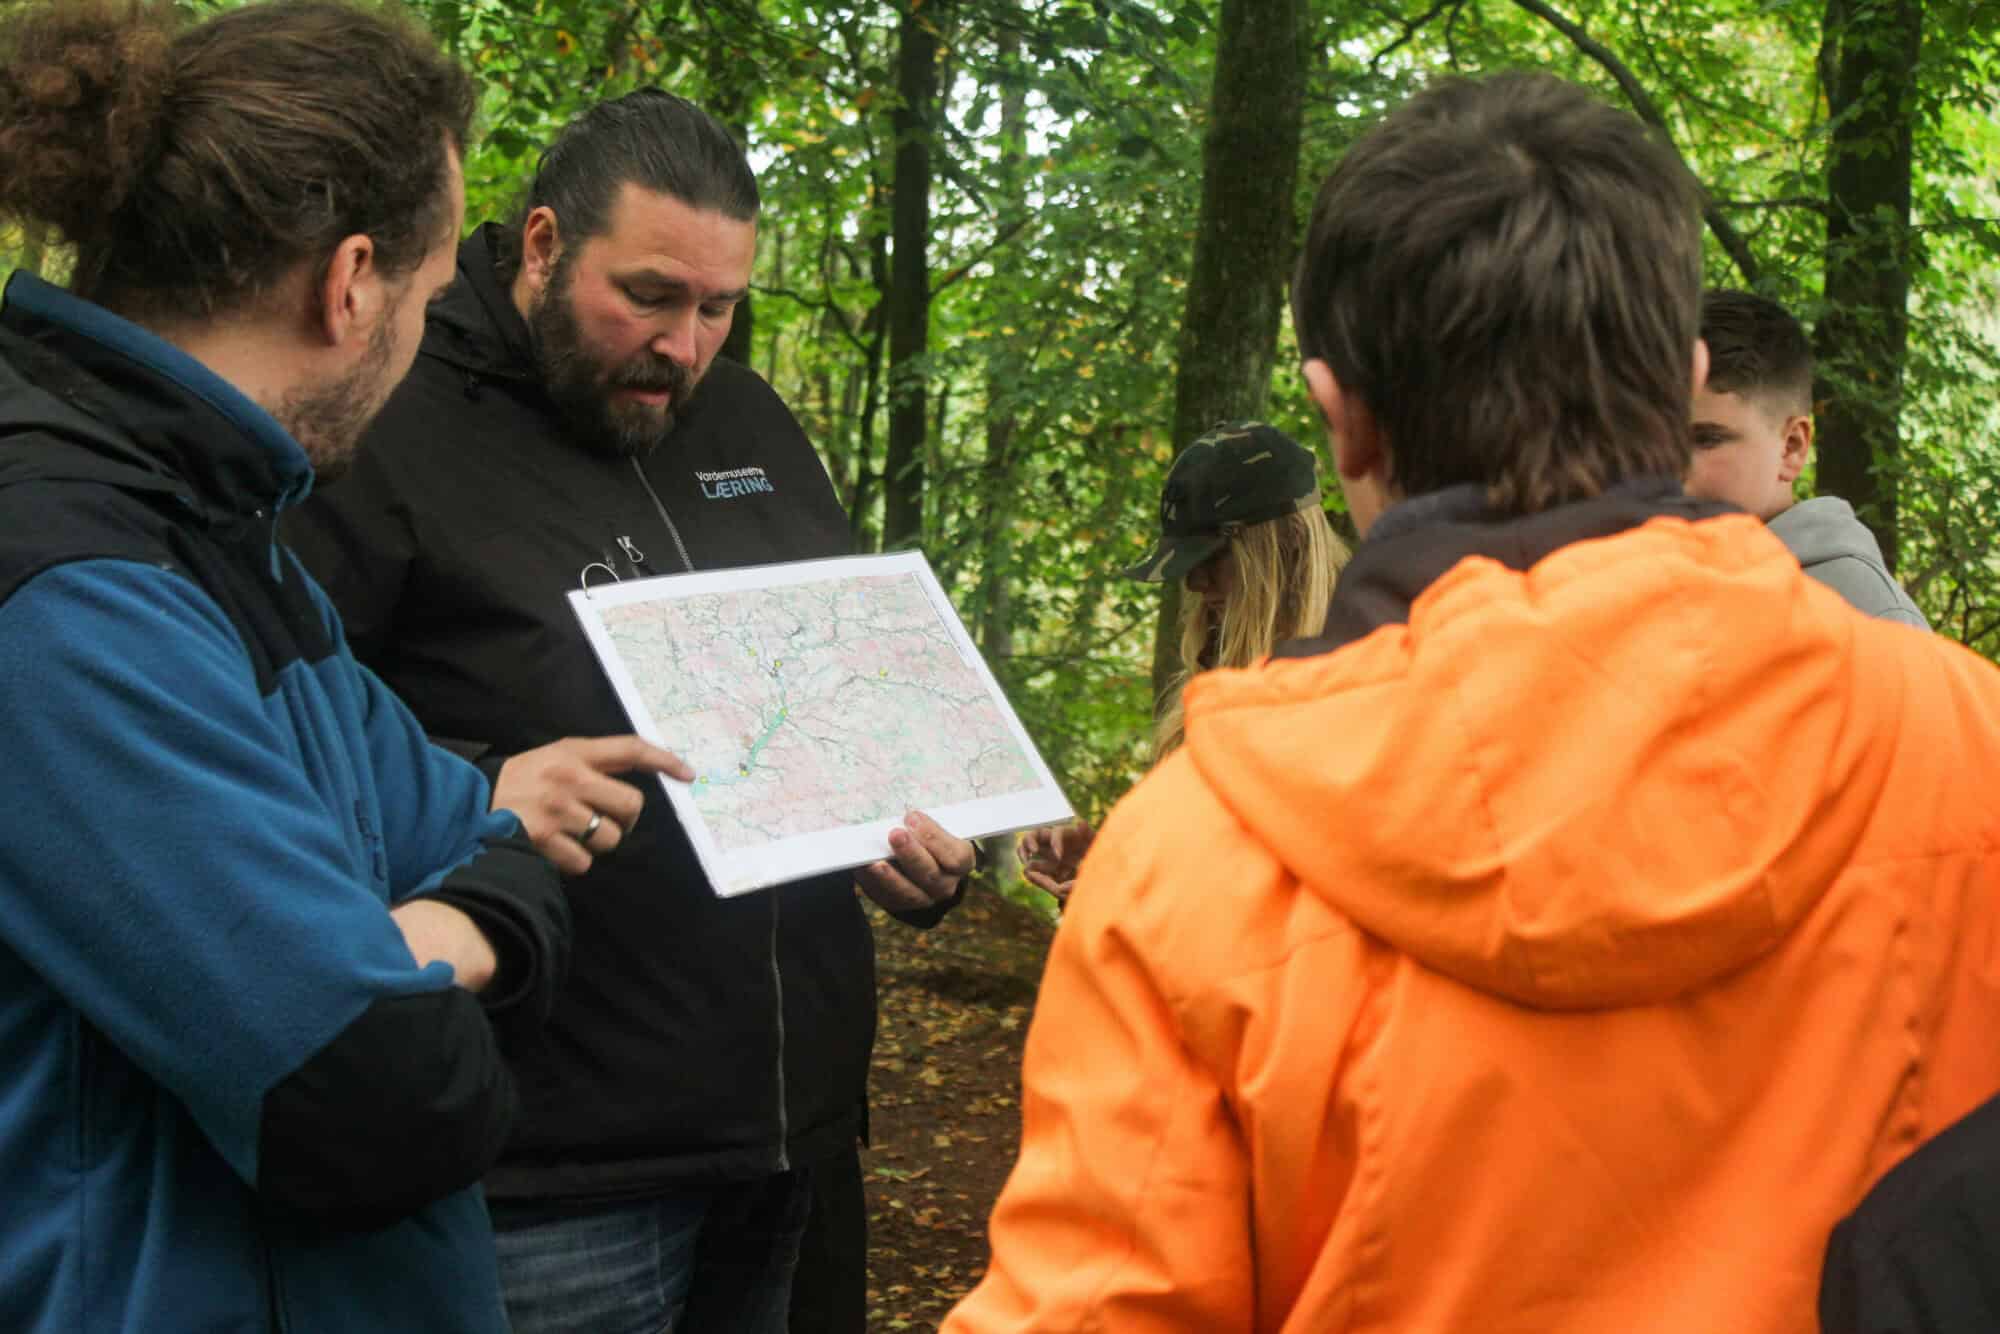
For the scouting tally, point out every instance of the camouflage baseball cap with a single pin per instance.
(1236, 475)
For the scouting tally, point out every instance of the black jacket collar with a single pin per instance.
(475, 326)
(1415, 542)
(139, 412)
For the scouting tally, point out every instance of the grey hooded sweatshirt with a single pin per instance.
(1837, 549)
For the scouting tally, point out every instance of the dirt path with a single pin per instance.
(946, 1096)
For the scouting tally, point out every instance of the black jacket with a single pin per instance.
(699, 1039)
(1921, 1255)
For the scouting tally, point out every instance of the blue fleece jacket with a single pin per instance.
(206, 809)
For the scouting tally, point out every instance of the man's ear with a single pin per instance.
(541, 246)
(1351, 430)
(350, 292)
(1798, 438)
(1360, 449)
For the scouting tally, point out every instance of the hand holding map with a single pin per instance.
(817, 703)
(930, 863)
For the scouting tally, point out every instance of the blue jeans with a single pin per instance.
(711, 1258)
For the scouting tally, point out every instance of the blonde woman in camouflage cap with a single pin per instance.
(1241, 527)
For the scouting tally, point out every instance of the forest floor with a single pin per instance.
(945, 1089)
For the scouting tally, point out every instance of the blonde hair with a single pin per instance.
(1285, 570)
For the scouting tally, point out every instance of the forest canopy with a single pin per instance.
(1015, 253)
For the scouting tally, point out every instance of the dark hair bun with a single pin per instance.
(83, 89)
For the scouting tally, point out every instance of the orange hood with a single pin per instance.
(1599, 783)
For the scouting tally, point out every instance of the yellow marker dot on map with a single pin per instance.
(744, 770)
(883, 672)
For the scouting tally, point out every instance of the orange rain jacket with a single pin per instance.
(1568, 959)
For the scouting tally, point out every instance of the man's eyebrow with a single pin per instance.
(654, 280)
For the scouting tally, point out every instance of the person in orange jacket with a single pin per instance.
(1566, 939)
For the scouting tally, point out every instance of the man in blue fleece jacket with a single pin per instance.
(255, 932)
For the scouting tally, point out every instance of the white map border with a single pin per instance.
(741, 872)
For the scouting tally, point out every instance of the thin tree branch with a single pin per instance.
(1726, 235)
(617, 45)
(825, 304)
(1973, 637)
(1827, 62)
(1411, 27)
(1001, 238)
(1815, 203)
(1088, 652)
(1988, 225)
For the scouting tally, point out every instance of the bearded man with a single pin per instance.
(568, 421)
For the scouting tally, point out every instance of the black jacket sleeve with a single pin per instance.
(516, 898)
(413, 1100)
(410, 1103)
(925, 918)
(1921, 1255)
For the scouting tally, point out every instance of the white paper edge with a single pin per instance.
(828, 850)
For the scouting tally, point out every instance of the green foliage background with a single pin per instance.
(1066, 181)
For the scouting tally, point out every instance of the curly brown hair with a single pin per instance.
(192, 167)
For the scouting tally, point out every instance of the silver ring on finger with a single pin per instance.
(596, 819)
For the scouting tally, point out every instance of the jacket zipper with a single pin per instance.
(268, 521)
(280, 1320)
(665, 518)
(777, 974)
(778, 990)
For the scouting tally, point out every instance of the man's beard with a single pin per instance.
(328, 420)
(583, 388)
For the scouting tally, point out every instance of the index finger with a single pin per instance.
(618, 754)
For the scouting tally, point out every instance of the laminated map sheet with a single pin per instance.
(817, 702)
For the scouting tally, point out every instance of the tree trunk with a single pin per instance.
(996, 592)
(833, 447)
(909, 282)
(996, 489)
(1862, 339)
(861, 517)
(447, 19)
(1242, 249)
(934, 464)
(850, 410)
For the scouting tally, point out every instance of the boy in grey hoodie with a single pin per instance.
(1753, 432)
